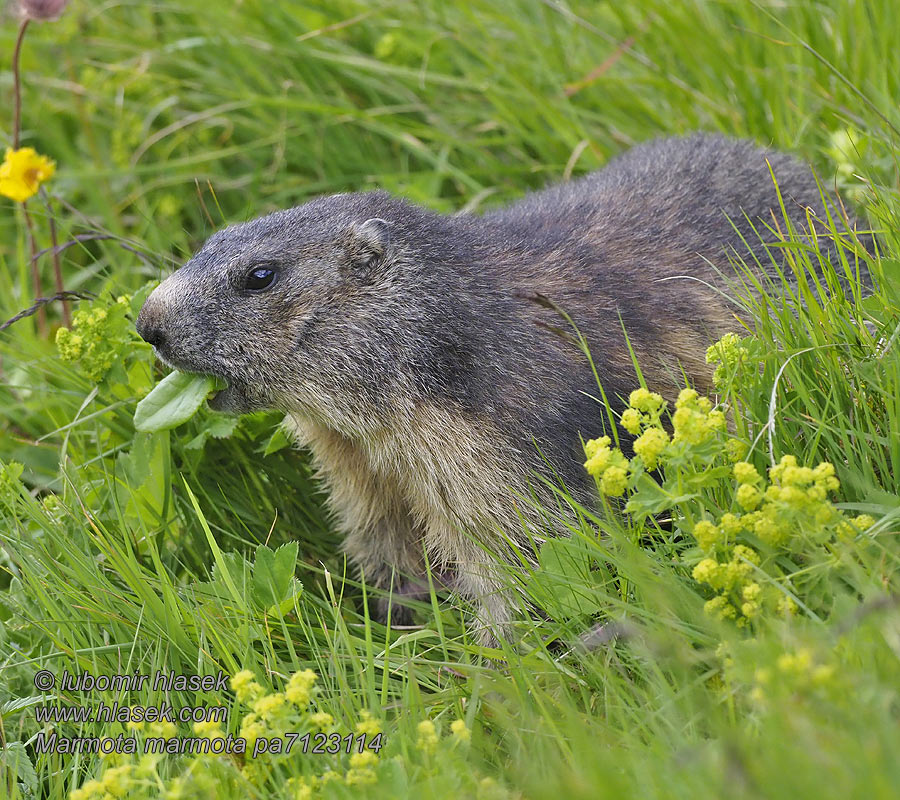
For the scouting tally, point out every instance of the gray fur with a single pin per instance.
(408, 353)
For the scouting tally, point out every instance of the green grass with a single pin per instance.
(122, 552)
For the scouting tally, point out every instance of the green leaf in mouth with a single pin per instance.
(175, 399)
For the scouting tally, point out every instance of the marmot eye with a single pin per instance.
(259, 278)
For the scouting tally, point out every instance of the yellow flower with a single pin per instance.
(786, 606)
(208, 729)
(245, 688)
(720, 608)
(645, 400)
(363, 760)
(751, 592)
(321, 720)
(631, 420)
(460, 731)
(745, 472)
(361, 771)
(367, 724)
(731, 524)
(301, 791)
(613, 481)
(300, 686)
(744, 552)
(707, 534)
(592, 446)
(707, 571)
(117, 780)
(735, 449)
(649, 445)
(252, 729)
(748, 496)
(22, 172)
(686, 398)
(428, 738)
(269, 705)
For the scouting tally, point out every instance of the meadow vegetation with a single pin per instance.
(725, 623)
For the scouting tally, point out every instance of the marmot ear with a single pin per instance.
(367, 244)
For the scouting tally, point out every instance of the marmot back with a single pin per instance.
(408, 352)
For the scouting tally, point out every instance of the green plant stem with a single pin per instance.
(35, 272)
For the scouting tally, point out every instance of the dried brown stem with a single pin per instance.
(57, 266)
(17, 84)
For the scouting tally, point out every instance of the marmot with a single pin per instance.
(409, 356)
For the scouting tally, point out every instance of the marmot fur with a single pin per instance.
(409, 355)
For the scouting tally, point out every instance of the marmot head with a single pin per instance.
(296, 310)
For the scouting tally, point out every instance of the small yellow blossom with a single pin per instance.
(321, 720)
(361, 768)
(750, 609)
(116, 781)
(743, 552)
(720, 608)
(707, 534)
(209, 729)
(614, 481)
(269, 706)
(686, 398)
(601, 457)
(822, 675)
(745, 472)
(252, 729)
(649, 446)
(707, 571)
(736, 449)
(748, 497)
(731, 524)
(163, 729)
(796, 663)
(299, 687)
(367, 725)
(751, 592)
(646, 401)
(460, 731)
(428, 738)
(593, 446)
(22, 173)
(786, 606)
(631, 421)
(245, 688)
(300, 789)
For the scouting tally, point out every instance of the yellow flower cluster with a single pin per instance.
(795, 671)
(792, 508)
(606, 463)
(649, 445)
(95, 338)
(114, 783)
(644, 410)
(245, 688)
(795, 502)
(361, 769)
(428, 738)
(695, 421)
(731, 357)
(367, 725)
(22, 173)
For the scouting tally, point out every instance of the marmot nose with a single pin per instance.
(151, 335)
(148, 327)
